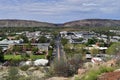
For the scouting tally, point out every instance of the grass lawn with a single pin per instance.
(13, 57)
(18, 57)
(34, 57)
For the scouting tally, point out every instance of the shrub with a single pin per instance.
(66, 67)
(61, 68)
(104, 69)
(14, 62)
(24, 68)
(94, 73)
(118, 59)
(25, 56)
(75, 62)
(76, 77)
(13, 74)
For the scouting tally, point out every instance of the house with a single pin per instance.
(40, 46)
(5, 44)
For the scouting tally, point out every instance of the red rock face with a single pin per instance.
(93, 23)
(23, 23)
(110, 76)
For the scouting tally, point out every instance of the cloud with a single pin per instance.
(59, 8)
(89, 4)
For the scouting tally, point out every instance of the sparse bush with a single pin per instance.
(75, 62)
(61, 68)
(94, 73)
(14, 62)
(76, 77)
(33, 78)
(64, 41)
(13, 74)
(64, 67)
(25, 56)
(24, 68)
(1, 55)
(118, 62)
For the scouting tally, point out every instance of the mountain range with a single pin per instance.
(85, 22)
(23, 23)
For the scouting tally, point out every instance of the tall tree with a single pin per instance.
(94, 51)
(80, 48)
(64, 41)
(114, 48)
(1, 55)
(43, 39)
(25, 39)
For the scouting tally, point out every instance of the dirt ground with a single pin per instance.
(110, 76)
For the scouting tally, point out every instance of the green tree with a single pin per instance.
(49, 56)
(80, 39)
(64, 41)
(69, 46)
(16, 49)
(52, 43)
(28, 46)
(55, 34)
(69, 49)
(25, 39)
(80, 48)
(43, 39)
(1, 55)
(34, 50)
(91, 41)
(114, 48)
(25, 56)
(94, 51)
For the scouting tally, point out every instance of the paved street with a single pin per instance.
(58, 51)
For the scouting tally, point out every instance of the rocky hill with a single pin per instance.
(93, 23)
(78, 23)
(24, 23)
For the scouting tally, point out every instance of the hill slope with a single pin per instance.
(24, 23)
(81, 23)
(93, 23)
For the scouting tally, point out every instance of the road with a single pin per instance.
(58, 51)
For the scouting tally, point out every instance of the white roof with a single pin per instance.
(5, 41)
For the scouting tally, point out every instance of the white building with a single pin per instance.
(6, 43)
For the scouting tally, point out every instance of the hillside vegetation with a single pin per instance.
(24, 23)
(78, 23)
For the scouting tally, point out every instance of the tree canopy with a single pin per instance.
(1, 55)
(43, 39)
(114, 48)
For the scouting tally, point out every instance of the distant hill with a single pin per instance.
(24, 23)
(93, 23)
(82, 23)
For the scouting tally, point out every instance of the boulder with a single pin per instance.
(111, 62)
(58, 78)
(81, 71)
(40, 62)
(96, 60)
(29, 63)
(117, 70)
(38, 73)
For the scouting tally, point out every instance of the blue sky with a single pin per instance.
(59, 11)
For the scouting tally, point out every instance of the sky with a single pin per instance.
(59, 11)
